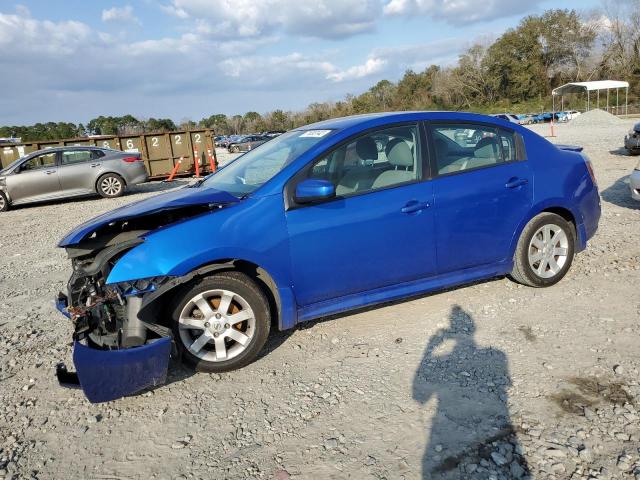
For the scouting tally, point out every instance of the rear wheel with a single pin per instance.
(110, 185)
(545, 251)
(4, 202)
(221, 322)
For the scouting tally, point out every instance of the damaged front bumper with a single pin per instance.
(109, 373)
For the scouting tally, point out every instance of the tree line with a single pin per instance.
(516, 72)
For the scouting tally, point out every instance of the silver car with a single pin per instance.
(62, 172)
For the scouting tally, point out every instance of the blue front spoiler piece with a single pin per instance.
(107, 375)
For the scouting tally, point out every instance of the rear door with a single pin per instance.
(77, 171)
(483, 189)
(36, 179)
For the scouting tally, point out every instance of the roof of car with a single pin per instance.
(389, 117)
(70, 147)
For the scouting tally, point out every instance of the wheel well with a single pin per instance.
(567, 215)
(253, 271)
(266, 283)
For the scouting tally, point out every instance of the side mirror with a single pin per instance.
(312, 190)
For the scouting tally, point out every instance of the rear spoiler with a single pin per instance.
(570, 148)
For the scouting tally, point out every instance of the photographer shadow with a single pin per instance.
(472, 421)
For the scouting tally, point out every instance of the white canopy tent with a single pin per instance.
(588, 87)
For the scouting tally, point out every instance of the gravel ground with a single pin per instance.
(493, 380)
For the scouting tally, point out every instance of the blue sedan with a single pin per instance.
(323, 219)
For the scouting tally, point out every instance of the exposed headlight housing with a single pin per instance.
(140, 287)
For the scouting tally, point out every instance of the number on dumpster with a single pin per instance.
(130, 143)
(178, 140)
(154, 141)
(197, 137)
(105, 144)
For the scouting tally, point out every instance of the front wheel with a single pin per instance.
(545, 251)
(4, 202)
(221, 322)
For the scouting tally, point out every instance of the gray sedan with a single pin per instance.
(62, 172)
(247, 143)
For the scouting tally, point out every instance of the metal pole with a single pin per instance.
(626, 100)
(588, 101)
(607, 99)
(617, 112)
(598, 104)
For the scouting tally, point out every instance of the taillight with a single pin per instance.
(589, 165)
(132, 159)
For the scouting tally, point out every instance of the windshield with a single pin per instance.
(257, 166)
(12, 164)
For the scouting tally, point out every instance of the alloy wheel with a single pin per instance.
(111, 186)
(548, 250)
(216, 325)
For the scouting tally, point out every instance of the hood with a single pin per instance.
(176, 200)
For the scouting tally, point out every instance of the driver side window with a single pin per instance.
(379, 159)
(45, 160)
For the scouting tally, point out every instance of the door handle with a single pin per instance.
(49, 172)
(516, 182)
(414, 206)
(94, 165)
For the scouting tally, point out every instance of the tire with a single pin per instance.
(544, 260)
(215, 342)
(110, 185)
(4, 202)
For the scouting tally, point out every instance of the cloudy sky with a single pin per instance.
(72, 60)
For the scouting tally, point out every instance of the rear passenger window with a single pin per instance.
(467, 147)
(71, 157)
(380, 159)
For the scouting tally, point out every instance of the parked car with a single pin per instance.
(508, 117)
(247, 143)
(634, 183)
(225, 141)
(63, 172)
(326, 218)
(571, 114)
(632, 140)
(525, 119)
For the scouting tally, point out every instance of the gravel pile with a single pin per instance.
(491, 381)
(595, 118)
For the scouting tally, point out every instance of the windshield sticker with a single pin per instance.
(315, 133)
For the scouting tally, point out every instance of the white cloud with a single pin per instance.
(459, 12)
(174, 11)
(370, 67)
(322, 18)
(22, 36)
(120, 14)
(391, 62)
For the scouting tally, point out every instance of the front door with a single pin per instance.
(483, 190)
(377, 232)
(36, 179)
